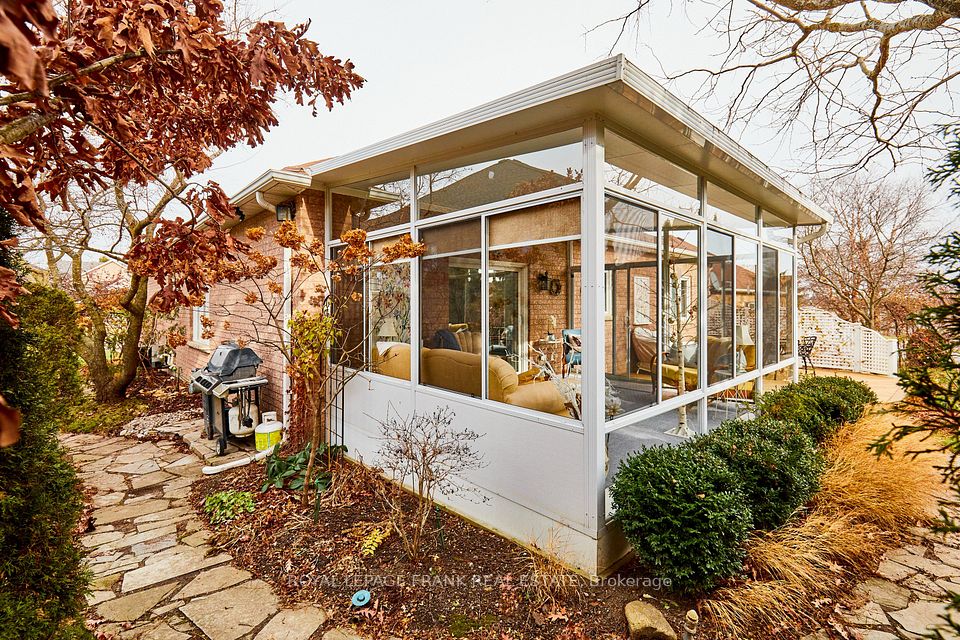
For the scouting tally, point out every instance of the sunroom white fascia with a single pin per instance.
(602, 89)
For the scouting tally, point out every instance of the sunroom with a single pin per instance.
(605, 271)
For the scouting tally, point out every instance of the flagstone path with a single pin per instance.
(155, 576)
(907, 596)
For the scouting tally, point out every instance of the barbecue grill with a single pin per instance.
(231, 393)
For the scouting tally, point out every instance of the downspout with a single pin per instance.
(287, 307)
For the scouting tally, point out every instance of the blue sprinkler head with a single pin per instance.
(360, 598)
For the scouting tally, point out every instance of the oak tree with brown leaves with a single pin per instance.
(121, 91)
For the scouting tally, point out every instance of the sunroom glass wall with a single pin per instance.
(451, 308)
(720, 307)
(680, 246)
(533, 336)
(501, 174)
(388, 315)
(630, 326)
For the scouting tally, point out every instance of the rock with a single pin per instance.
(186, 560)
(150, 479)
(107, 499)
(293, 624)
(950, 586)
(97, 539)
(132, 539)
(870, 614)
(213, 580)
(873, 634)
(922, 584)
(234, 612)
(159, 631)
(927, 565)
(645, 622)
(166, 514)
(894, 570)
(888, 595)
(105, 583)
(143, 549)
(136, 468)
(170, 606)
(946, 554)
(341, 633)
(96, 597)
(125, 512)
(197, 538)
(921, 616)
(819, 634)
(129, 608)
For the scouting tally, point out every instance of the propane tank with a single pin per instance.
(269, 432)
(237, 428)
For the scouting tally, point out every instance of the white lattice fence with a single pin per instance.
(848, 345)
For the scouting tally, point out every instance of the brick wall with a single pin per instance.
(235, 319)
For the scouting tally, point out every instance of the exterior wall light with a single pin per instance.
(285, 211)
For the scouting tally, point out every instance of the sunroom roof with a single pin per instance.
(616, 90)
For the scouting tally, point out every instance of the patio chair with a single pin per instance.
(805, 350)
(571, 350)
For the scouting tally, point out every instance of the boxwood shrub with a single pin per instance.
(685, 513)
(688, 509)
(818, 404)
(777, 463)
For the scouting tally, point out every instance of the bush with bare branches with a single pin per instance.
(427, 453)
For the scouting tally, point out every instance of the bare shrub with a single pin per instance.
(425, 452)
(349, 483)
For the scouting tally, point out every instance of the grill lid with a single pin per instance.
(229, 357)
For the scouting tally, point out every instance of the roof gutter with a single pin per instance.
(813, 235)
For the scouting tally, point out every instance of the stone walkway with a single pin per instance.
(908, 593)
(155, 576)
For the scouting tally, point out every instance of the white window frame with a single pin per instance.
(196, 324)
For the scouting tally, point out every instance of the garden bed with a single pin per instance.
(792, 578)
(472, 582)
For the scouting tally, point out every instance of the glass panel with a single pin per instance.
(632, 167)
(730, 404)
(630, 328)
(503, 173)
(731, 211)
(681, 340)
(347, 294)
(776, 379)
(771, 345)
(746, 306)
(785, 318)
(388, 317)
(776, 229)
(371, 205)
(534, 342)
(658, 430)
(450, 308)
(720, 360)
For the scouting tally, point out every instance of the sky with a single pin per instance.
(427, 60)
(430, 59)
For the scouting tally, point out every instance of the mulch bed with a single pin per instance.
(471, 583)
